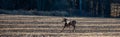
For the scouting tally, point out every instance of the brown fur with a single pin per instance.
(71, 23)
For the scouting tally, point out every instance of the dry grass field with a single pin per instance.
(50, 26)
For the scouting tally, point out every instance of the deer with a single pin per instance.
(68, 24)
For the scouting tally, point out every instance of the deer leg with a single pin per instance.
(69, 29)
(63, 28)
(73, 28)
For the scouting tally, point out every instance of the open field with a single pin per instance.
(50, 26)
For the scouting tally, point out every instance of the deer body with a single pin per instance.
(69, 23)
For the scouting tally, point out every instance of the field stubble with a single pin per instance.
(49, 26)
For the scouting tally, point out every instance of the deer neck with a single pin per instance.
(66, 22)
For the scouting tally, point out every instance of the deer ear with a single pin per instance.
(64, 18)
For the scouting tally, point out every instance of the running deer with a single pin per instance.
(68, 24)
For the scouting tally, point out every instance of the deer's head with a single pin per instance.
(64, 20)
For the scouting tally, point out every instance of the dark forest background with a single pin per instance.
(84, 8)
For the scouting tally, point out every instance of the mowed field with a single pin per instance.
(50, 26)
